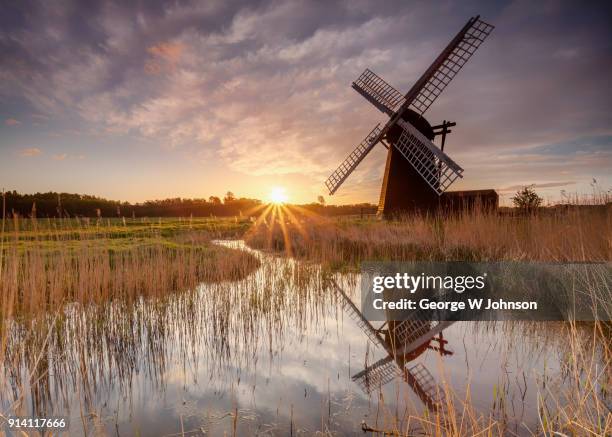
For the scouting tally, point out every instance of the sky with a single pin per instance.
(146, 100)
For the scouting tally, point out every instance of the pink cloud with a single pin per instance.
(11, 122)
(30, 151)
(164, 57)
(60, 157)
(538, 185)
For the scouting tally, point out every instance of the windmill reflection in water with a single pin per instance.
(403, 341)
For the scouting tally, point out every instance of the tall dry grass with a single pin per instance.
(563, 235)
(48, 264)
(94, 350)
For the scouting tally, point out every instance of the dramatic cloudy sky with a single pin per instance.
(192, 99)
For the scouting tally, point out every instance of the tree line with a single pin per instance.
(53, 204)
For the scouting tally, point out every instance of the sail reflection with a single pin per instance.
(403, 341)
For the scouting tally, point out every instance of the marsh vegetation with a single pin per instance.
(557, 235)
(156, 327)
(48, 265)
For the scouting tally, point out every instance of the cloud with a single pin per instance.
(264, 89)
(167, 51)
(537, 185)
(11, 122)
(29, 152)
(65, 156)
(164, 57)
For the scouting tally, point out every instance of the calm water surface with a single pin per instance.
(277, 353)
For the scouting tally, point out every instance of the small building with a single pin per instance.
(457, 201)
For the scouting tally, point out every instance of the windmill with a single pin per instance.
(403, 341)
(417, 172)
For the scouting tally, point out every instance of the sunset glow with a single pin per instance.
(192, 111)
(278, 195)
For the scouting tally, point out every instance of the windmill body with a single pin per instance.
(417, 172)
(403, 188)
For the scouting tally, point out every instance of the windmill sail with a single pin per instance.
(437, 169)
(425, 386)
(354, 313)
(355, 157)
(378, 374)
(420, 379)
(435, 166)
(437, 77)
(378, 92)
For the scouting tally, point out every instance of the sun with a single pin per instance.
(278, 195)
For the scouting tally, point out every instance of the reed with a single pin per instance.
(561, 234)
(48, 264)
(104, 312)
(578, 234)
(93, 349)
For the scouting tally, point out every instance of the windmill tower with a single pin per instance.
(403, 341)
(417, 172)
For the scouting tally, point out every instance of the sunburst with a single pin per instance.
(282, 219)
(278, 195)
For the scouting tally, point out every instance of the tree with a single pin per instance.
(229, 197)
(527, 199)
(321, 200)
(214, 200)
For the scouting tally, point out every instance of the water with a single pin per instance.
(274, 354)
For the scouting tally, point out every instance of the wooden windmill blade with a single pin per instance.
(378, 374)
(378, 92)
(352, 160)
(422, 382)
(446, 66)
(418, 377)
(434, 166)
